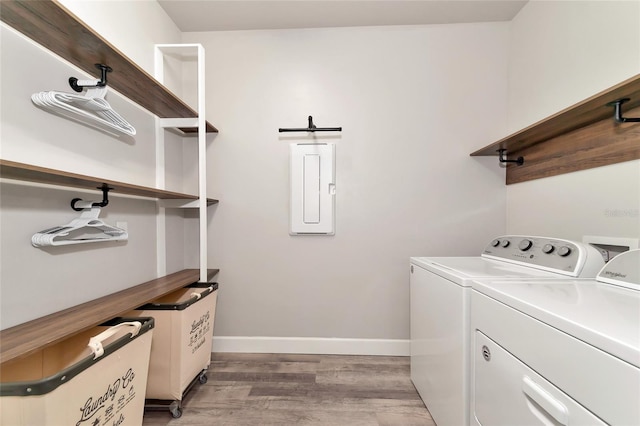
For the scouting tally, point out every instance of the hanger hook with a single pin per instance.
(519, 161)
(105, 199)
(78, 85)
(617, 111)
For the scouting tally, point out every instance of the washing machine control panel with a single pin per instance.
(552, 254)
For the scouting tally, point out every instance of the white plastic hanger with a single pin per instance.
(90, 108)
(85, 229)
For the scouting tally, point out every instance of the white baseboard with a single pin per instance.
(312, 345)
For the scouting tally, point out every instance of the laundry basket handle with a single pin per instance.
(198, 296)
(95, 343)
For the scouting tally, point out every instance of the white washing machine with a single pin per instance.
(440, 312)
(558, 352)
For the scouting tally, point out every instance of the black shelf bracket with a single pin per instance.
(617, 111)
(519, 161)
(78, 85)
(311, 128)
(105, 199)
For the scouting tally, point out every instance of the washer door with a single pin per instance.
(507, 392)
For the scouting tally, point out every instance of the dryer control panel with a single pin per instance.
(564, 257)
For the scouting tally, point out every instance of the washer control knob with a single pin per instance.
(525, 245)
(505, 243)
(548, 248)
(495, 243)
(564, 251)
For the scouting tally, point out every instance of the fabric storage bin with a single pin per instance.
(182, 342)
(93, 378)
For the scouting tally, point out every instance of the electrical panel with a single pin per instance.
(312, 199)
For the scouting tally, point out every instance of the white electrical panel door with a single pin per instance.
(312, 200)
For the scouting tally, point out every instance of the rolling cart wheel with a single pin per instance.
(203, 378)
(176, 411)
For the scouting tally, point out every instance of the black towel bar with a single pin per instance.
(311, 128)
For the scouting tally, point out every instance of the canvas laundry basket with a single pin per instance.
(182, 342)
(94, 378)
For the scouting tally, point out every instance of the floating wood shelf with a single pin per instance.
(31, 336)
(30, 173)
(580, 137)
(582, 114)
(54, 27)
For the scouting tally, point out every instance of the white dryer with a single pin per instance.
(558, 352)
(440, 294)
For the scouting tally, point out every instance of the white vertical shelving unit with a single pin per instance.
(53, 27)
(199, 122)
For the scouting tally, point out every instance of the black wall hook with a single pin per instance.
(617, 111)
(519, 161)
(105, 199)
(104, 69)
(311, 128)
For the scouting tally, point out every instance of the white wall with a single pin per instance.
(560, 53)
(132, 26)
(35, 282)
(413, 103)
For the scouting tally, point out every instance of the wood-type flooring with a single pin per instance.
(289, 389)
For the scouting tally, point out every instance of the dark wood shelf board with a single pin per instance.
(30, 173)
(582, 114)
(54, 27)
(192, 130)
(34, 335)
(211, 273)
(599, 144)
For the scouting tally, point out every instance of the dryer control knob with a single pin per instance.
(564, 251)
(548, 248)
(495, 243)
(505, 243)
(525, 245)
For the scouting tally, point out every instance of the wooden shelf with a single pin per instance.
(31, 336)
(580, 137)
(580, 115)
(30, 173)
(54, 27)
